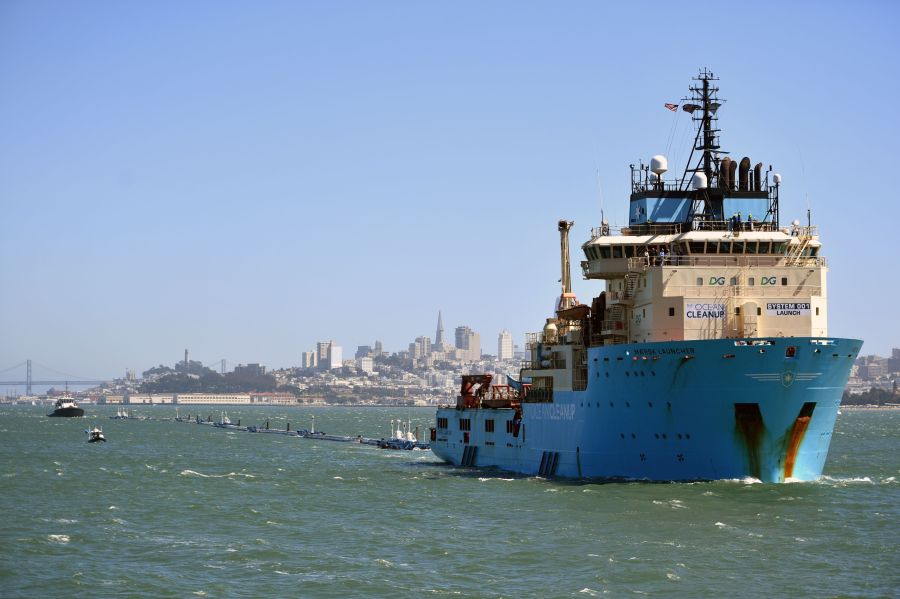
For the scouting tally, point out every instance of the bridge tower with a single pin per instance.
(28, 379)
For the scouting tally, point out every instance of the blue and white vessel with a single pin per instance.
(705, 356)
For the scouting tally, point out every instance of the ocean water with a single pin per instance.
(167, 509)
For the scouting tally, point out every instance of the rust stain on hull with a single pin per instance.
(750, 428)
(795, 437)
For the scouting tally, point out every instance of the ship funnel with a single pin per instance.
(698, 181)
(725, 173)
(659, 164)
(757, 177)
(732, 175)
(743, 172)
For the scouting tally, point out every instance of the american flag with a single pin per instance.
(672, 107)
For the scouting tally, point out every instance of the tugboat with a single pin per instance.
(95, 435)
(705, 355)
(66, 407)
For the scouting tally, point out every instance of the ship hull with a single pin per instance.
(671, 411)
(66, 413)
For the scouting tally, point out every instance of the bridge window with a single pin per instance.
(604, 252)
(724, 247)
(696, 247)
(764, 247)
(751, 247)
(616, 251)
(541, 389)
(737, 247)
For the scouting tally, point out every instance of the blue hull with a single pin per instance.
(672, 411)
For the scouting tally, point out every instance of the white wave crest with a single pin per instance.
(61, 539)
(201, 475)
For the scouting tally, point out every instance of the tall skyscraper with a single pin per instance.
(335, 356)
(329, 355)
(439, 336)
(504, 345)
(309, 359)
(469, 341)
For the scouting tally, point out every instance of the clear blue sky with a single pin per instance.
(246, 178)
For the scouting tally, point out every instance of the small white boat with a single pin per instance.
(95, 434)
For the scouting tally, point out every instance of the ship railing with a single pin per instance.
(727, 225)
(638, 264)
(641, 229)
(724, 292)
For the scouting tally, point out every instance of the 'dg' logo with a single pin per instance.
(717, 280)
(768, 280)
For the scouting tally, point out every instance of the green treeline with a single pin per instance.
(878, 397)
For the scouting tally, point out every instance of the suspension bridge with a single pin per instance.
(60, 378)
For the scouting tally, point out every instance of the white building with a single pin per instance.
(366, 364)
(335, 356)
(155, 398)
(212, 398)
(309, 359)
(504, 345)
(468, 344)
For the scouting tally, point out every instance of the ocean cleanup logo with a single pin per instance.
(706, 311)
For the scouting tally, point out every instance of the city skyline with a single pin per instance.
(246, 181)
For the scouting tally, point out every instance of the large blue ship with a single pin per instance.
(705, 356)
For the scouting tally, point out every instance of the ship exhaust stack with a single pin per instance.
(757, 176)
(743, 174)
(725, 174)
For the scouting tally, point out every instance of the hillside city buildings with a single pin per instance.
(427, 372)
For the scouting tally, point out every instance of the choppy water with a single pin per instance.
(177, 510)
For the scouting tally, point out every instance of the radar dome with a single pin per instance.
(698, 181)
(659, 164)
(654, 177)
(777, 179)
